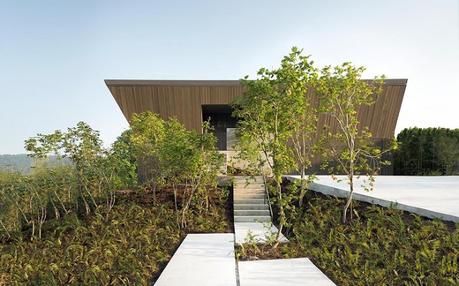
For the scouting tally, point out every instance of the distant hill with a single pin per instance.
(17, 162)
(23, 163)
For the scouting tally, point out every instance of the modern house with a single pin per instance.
(194, 101)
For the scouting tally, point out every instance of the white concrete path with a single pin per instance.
(285, 272)
(259, 231)
(201, 260)
(430, 196)
(209, 259)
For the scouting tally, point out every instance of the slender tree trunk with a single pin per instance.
(70, 199)
(22, 213)
(349, 198)
(79, 191)
(207, 202)
(351, 209)
(56, 210)
(111, 200)
(62, 204)
(33, 230)
(175, 197)
(41, 220)
(281, 210)
(154, 194)
(278, 178)
(302, 187)
(92, 197)
(187, 205)
(86, 205)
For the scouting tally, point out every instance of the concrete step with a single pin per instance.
(251, 207)
(248, 181)
(236, 191)
(250, 201)
(248, 186)
(252, 218)
(249, 190)
(247, 177)
(248, 196)
(251, 213)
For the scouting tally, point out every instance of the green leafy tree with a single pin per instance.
(81, 144)
(146, 134)
(175, 154)
(427, 151)
(124, 164)
(170, 155)
(98, 172)
(342, 92)
(274, 112)
(300, 76)
(203, 163)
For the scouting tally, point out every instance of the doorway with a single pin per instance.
(221, 118)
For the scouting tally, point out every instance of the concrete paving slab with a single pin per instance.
(201, 260)
(429, 196)
(260, 231)
(285, 272)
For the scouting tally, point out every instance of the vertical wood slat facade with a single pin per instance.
(184, 99)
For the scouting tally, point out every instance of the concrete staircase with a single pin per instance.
(250, 202)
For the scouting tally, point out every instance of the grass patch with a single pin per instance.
(380, 246)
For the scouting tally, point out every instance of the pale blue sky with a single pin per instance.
(54, 55)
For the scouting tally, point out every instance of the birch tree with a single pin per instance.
(350, 148)
(274, 112)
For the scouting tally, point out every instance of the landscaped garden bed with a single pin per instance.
(379, 246)
(130, 248)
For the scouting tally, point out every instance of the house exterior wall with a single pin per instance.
(184, 99)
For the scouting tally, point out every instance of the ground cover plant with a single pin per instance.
(379, 246)
(129, 249)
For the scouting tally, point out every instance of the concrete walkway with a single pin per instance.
(260, 232)
(429, 196)
(201, 260)
(209, 259)
(252, 217)
(285, 272)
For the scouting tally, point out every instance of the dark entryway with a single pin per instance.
(221, 119)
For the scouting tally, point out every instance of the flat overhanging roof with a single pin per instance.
(121, 82)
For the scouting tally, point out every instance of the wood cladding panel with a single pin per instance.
(184, 99)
